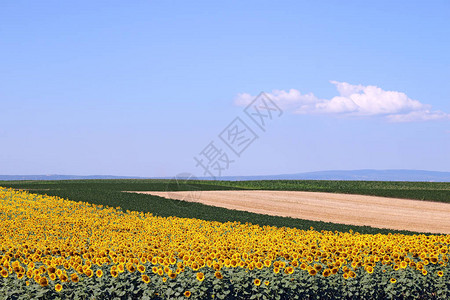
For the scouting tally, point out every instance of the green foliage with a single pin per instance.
(238, 283)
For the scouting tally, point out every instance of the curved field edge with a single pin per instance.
(109, 192)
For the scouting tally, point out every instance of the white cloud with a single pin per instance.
(423, 115)
(286, 99)
(353, 100)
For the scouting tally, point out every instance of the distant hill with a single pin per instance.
(61, 177)
(368, 175)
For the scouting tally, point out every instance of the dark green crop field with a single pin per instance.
(110, 192)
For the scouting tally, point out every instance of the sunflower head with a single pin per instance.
(74, 277)
(218, 275)
(89, 273)
(43, 281)
(200, 276)
(114, 273)
(145, 278)
(99, 273)
(326, 273)
(141, 268)
(317, 267)
(131, 268)
(120, 268)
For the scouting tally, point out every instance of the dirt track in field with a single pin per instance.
(381, 212)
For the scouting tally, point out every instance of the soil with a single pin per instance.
(381, 212)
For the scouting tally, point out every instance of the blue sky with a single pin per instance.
(141, 87)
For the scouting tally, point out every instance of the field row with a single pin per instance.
(109, 193)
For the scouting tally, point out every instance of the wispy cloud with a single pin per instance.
(354, 100)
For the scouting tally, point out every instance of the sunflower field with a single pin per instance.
(54, 248)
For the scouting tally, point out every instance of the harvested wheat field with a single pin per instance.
(381, 212)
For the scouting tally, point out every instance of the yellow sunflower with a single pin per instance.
(218, 275)
(74, 277)
(99, 273)
(200, 276)
(43, 281)
(141, 268)
(145, 278)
